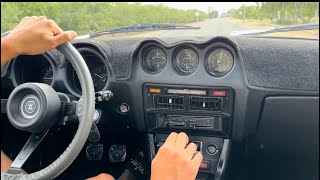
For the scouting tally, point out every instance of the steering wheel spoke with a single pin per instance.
(26, 151)
(69, 108)
(70, 113)
(4, 105)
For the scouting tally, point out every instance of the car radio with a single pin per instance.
(204, 113)
(211, 148)
(188, 108)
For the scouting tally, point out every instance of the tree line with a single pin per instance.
(279, 12)
(89, 17)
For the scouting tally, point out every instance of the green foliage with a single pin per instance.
(213, 14)
(289, 12)
(89, 17)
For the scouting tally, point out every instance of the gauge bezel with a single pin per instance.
(206, 62)
(144, 59)
(174, 60)
(70, 82)
(18, 64)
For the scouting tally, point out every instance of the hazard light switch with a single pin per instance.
(205, 165)
(219, 93)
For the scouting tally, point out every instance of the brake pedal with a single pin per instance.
(94, 135)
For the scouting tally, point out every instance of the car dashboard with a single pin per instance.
(244, 100)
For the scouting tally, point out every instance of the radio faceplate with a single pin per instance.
(189, 122)
(190, 108)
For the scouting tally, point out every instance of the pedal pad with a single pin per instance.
(117, 153)
(94, 135)
(94, 151)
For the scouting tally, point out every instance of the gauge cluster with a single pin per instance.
(184, 59)
(217, 60)
(46, 68)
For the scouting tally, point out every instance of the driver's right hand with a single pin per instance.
(175, 161)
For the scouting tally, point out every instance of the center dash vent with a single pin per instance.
(168, 102)
(206, 103)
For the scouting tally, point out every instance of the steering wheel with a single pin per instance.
(35, 107)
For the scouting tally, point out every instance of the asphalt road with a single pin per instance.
(212, 27)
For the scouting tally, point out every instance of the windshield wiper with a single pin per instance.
(141, 27)
(300, 27)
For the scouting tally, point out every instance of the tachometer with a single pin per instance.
(154, 60)
(47, 75)
(219, 62)
(186, 61)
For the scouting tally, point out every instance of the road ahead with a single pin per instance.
(212, 27)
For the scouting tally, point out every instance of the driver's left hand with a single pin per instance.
(33, 35)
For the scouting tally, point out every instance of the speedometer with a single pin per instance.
(219, 62)
(99, 76)
(186, 61)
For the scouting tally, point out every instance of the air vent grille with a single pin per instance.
(168, 102)
(206, 103)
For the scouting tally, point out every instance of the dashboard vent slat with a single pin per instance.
(206, 103)
(168, 102)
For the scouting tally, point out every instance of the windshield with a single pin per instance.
(212, 18)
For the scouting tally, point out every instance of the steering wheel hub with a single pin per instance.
(33, 107)
(29, 106)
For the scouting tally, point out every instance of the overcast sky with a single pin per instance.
(203, 6)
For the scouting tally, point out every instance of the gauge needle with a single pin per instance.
(98, 75)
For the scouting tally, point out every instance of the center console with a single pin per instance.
(204, 113)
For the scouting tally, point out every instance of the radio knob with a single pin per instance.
(212, 149)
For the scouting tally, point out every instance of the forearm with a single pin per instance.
(7, 51)
(5, 161)
(126, 175)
